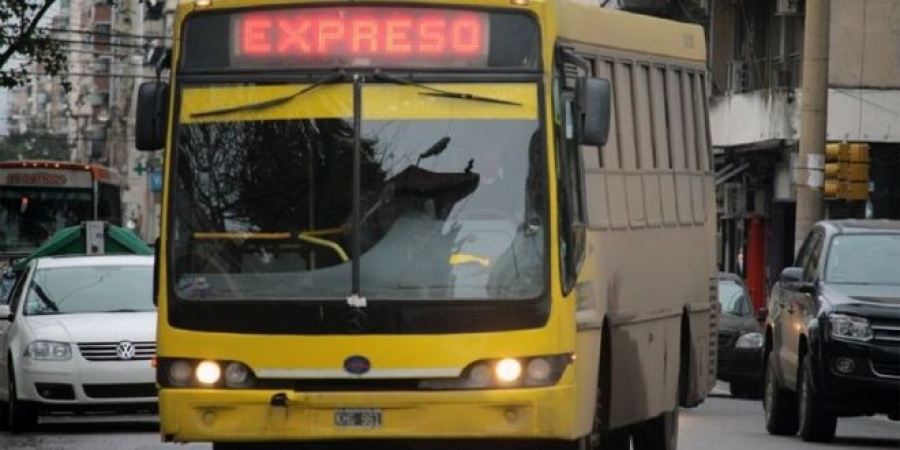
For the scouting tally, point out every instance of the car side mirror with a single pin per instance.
(791, 275)
(762, 313)
(5, 312)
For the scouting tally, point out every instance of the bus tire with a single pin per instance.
(658, 433)
(615, 439)
(780, 404)
(254, 446)
(602, 436)
(686, 391)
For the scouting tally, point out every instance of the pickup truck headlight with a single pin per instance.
(750, 340)
(49, 351)
(850, 327)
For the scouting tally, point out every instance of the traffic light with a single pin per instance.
(846, 172)
(831, 189)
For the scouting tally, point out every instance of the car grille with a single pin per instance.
(109, 351)
(886, 369)
(120, 390)
(885, 333)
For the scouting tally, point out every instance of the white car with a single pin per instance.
(78, 335)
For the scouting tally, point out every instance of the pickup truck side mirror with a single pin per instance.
(791, 275)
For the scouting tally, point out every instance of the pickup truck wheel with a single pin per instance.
(780, 404)
(816, 424)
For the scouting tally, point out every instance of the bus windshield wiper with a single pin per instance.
(272, 102)
(435, 92)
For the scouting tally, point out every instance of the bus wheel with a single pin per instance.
(658, 433)
(254, 446)
(616, 439)
(603, 436)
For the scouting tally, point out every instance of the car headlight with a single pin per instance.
(49, 351)
(750, 340)
(850, 327)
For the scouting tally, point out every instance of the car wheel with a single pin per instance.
(780, 405)
(4, 416)
(21, 416)
(747, 389)
(737, 389)
(816, 424)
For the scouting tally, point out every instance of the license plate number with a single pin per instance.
(357, 418)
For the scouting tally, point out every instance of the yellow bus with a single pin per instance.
(412, 223)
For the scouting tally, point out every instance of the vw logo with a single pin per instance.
(357, 365)
(125, 350)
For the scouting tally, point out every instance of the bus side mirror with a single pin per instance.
(593, 99)
(152, 116)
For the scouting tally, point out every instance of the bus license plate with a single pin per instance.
(357, 418)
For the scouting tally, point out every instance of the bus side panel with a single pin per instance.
(646, 279)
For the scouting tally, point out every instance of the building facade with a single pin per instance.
(756, 53)
(111, 47)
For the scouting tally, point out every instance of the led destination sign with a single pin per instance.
(360, 36)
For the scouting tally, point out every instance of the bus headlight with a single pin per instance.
(539, 370)
(479, 375)
(180, 373)
(508, 370)
(535, 371)
(208, 372)
(237, 375)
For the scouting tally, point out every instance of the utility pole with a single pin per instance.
(813, 118)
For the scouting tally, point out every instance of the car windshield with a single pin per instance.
(732, 298)
(91, 289)
(451, 201)
(864, 259)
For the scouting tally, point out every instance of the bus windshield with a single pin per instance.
(451, 202)
(29, 216)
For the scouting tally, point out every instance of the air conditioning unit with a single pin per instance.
(733, 200)
(787, 7)
(737, 77)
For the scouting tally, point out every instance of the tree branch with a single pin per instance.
(26, 34)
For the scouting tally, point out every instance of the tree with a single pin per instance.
(34, 145)
(23, 42)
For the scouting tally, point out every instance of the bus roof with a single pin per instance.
(98, 172)
(586, 23)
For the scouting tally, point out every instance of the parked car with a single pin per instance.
(77, 335)
(832, 342)
(740, 339)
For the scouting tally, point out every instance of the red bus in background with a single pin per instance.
(38, 198)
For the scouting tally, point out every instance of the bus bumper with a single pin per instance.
(194, 415)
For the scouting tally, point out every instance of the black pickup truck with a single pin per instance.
(832, 331)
